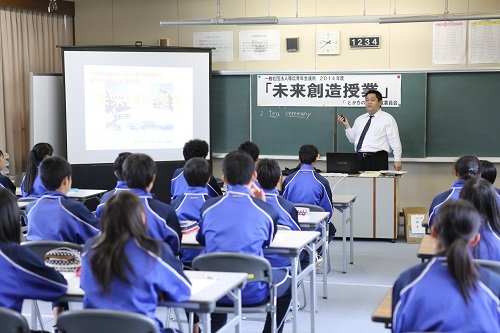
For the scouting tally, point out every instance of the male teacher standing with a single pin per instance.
(374, 134)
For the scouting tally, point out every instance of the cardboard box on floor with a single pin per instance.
(415, 220)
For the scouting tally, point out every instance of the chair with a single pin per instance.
(40, 248)
(13, 322)
(104, 321)
(257, 268)
(491, 265)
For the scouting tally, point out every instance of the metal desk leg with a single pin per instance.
(351, 222)
(344, 242)
(294, 293)
(314, 300)
(326, 255)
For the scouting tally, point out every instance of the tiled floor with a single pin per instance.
(352, 297)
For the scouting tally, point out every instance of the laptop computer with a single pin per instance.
(342, 163)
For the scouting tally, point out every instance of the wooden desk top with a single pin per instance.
(383, 312)
(428, 247)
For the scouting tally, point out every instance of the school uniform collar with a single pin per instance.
(54, 194)
(121, 184)
(238, 189)
(458, 183)
(306, 167)
(141, 192)
(271, 191)
(196, 190)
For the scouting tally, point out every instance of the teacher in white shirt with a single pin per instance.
(374, 134)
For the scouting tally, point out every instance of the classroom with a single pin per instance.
(443, 101)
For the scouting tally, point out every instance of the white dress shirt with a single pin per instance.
(382, 134)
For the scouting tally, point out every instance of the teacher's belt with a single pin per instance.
(369, 154)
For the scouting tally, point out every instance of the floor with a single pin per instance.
(352, 297)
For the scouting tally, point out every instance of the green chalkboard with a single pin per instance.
(230, 111)
(463, 114)
(410, 117)
(282, 130)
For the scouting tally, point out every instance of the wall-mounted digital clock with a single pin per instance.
(365, 42)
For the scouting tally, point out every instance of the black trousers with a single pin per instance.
(374, 161)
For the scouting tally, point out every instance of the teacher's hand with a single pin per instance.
(397, 165)
(343, 120)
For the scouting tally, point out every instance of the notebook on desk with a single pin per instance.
(342, 163)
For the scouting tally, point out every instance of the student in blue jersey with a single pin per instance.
(24, 275)
(139, 171)
(31, 185)
(55, 216)
(308, 186)
(450, 293)
(466, 167)
(5, 181)
(483, 196)
(188, 206)
(269, 175)
(241, 221)
(124, 269)
(488, 172)
(121, 184)
(193, 148)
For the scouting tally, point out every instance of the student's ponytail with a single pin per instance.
(467, 167)
(456, 223)
(35, 157)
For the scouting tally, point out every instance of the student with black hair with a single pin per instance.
(24, 275)
(5, 181)
(466, 167)
(489, 172)
(269, 175)
(139, 171)
(55, 216)
(251, 148)
(188, 206)
(308, 186)
(241, 221)
(178, 185)
(450, 293)
(124, 269)
(121, 184)
(31, 185)
(483, 196)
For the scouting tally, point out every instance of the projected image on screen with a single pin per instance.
(140, 107)
(143, 100)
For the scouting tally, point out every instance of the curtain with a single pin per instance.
(28, 43)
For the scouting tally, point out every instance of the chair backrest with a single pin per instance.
(104, 321)
(493, 266)
(13, 322)
(312, 208)
(258, 268)
(40, 248)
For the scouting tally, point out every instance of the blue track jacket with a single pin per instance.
(178, 185)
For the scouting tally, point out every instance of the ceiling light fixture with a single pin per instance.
(436, 18)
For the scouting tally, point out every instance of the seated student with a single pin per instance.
(466, 167)
(31, 185)
(308, 186)
(488, 172)
(121, 184)
(252, 149)
(5, 181)
(188, 206)
(55, 216)
(483, 196)
(193, 148)
(268, 175)
(242, 222)
(24, 275)
(449, 293)
(139, 171)
(123, 269)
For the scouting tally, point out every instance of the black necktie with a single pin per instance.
(362, 137)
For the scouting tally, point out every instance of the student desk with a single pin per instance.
(428, 248)
(77, 194)
(377, 203)
(290, 244)
(207, 289)
(342, 203)
(383, 312)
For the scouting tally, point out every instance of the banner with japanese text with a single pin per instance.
(326, 89)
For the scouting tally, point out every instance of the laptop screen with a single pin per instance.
(342, 163)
